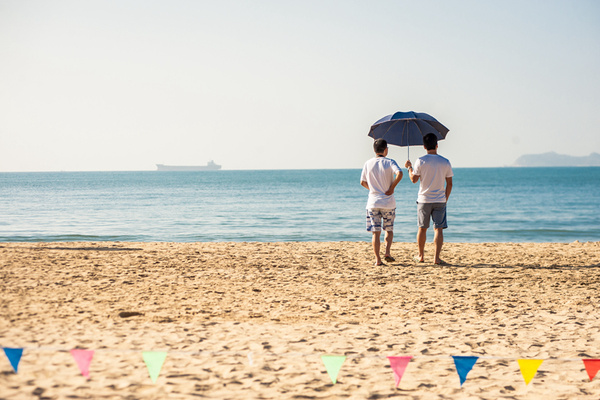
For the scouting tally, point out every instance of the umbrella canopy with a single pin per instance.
(407, 128)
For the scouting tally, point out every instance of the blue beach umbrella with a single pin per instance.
(407, 129)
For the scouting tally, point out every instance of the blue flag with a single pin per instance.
(464, 364)
(14, 357)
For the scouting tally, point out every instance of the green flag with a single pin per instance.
(333, 364)
(154, 361)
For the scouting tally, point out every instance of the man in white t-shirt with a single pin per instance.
(435, 173)
(380, 175)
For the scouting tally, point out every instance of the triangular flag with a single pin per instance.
(333, 364)
(83, 358)
(529, 369)
(464, 364)
(398, 365)
(154, 361)
(592, 367)
(14, 357)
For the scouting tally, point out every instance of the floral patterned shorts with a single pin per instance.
(378, 218)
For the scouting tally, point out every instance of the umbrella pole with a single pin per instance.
(405, 128)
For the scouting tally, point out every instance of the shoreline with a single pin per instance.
(211, 304)
(89, 244)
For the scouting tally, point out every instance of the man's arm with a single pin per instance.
(365, 185)
(397, 180)
(448, 187)
(413, 178)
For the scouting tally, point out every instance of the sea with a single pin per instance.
(486, 205)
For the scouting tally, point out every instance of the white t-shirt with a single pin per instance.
(433, 170)
(379, 173)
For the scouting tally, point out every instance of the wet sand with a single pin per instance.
(251, 320)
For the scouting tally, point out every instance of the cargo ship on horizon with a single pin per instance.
(210, 166)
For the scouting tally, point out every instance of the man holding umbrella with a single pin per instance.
(435, 174)
(381, 175)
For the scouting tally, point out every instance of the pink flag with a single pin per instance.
(83, 358)
(592, 367)
(399, 365)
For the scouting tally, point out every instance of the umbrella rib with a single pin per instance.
(419, 128)
(388, 129)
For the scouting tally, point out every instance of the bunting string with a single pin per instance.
(333, 363)
(287, 354)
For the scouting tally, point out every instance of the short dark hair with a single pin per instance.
(430, 141)
(379, 145)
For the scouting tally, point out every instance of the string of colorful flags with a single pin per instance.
(154, 361)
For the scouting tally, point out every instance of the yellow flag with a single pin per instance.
(529, 369)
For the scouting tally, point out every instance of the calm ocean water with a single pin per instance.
(487, 205)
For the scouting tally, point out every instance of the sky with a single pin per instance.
(119, 85)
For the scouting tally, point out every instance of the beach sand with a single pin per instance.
(251, 320)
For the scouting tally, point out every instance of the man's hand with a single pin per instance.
(413, 178)
(397, 180)
(448, 188)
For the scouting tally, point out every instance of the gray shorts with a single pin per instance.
(434, 211)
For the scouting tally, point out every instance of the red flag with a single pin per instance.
(399, 365)
(592, 367)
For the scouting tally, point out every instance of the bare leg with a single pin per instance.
(377, 247)
(438, 239)
(421, 239)
(389, 239)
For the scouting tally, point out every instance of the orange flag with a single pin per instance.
(592, 367)
(398, 365)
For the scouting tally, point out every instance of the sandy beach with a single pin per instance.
(251, 320)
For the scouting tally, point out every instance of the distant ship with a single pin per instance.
(210, 166)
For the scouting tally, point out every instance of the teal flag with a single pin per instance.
(464, 364)
(14, 357)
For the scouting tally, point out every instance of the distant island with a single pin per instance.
(553, 159)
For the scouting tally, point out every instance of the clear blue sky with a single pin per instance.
(122, 85)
